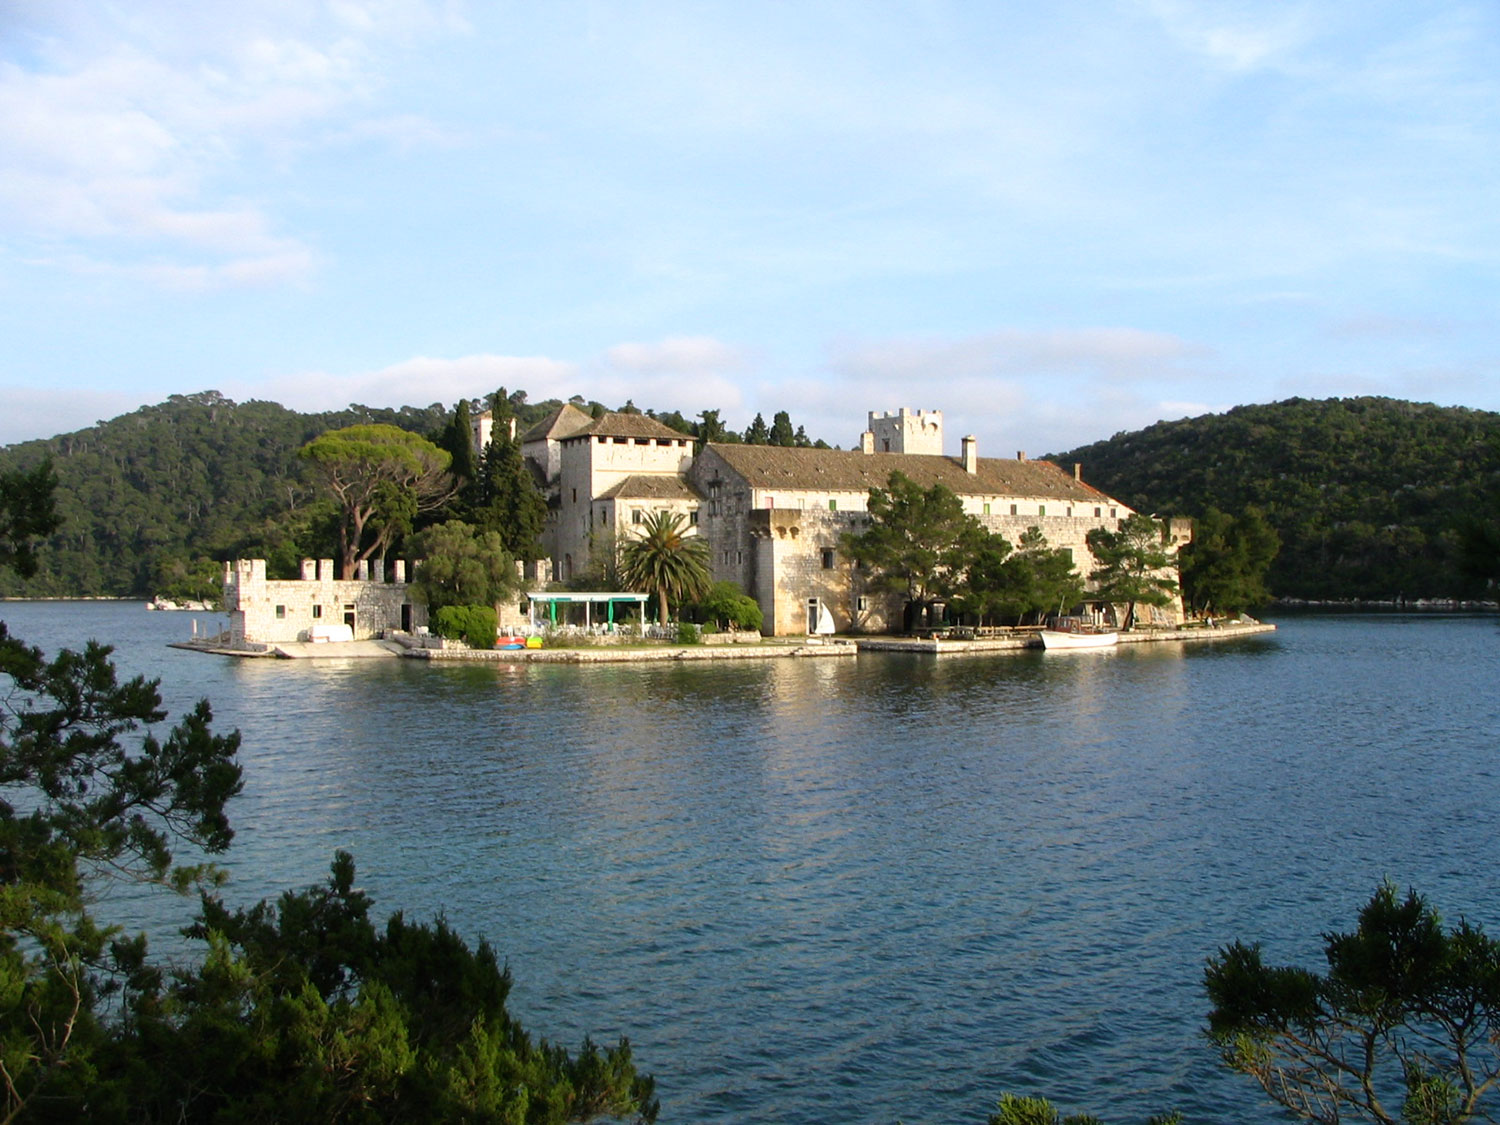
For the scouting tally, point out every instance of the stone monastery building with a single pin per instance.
(774, 516)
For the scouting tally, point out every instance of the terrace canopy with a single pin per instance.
(590, 601)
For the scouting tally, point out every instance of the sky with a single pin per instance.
(1052, 222)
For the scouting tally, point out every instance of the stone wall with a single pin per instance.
(277, 611)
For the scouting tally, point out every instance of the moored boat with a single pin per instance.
(1073, 632)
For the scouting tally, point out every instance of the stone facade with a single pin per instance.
(774, 517)
(264, 612)
(619, 453)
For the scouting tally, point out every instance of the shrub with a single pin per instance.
(727, 604)
(475, 625)
(688, 634)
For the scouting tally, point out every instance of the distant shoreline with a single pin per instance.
(1405, 605)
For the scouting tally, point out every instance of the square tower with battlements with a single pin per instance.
(905, 431)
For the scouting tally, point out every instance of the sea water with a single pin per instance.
(875, 889)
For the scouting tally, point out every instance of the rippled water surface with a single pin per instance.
(884, 888)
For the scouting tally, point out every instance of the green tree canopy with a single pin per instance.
(665, 561)
(920, 542)
(462, 565)
(509, 501)
(27, 513)
(1034, 579)
(710, 428)
(1224, 568)
(457, 440)
(1134, 565)
(381, 477)
(757, 433)
(781, 430)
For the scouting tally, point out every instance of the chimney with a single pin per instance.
(1020, 455)
(971, 454)
(1077, 471)
(867, 442)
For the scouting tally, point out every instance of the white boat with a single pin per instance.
(1070, 633)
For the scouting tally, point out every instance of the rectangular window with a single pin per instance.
(861, 603)
(575, 496)
(281, 613)
(1098, 512)
(1114, 513)
(833, 505)
(693, 517)
(317, 612)
(1041, 509)
(1070, 511)
(770, 502)
(827, 558)
(986, 509)
(739, 557)
(802, 501)
(1013, 510)
(637, 516)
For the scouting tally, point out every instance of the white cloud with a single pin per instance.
(676, 355)
(408, 132)
(1112, 353)
(1228, 36)
(121, 125)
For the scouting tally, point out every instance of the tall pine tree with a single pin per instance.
(509, 501)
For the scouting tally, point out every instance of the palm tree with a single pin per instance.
(666, 561)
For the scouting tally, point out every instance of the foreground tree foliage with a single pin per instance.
(1014, 1110)
(304, 1010)
(1403, 1027)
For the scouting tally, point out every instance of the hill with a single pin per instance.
(1369, 495)
(149, 497)
(144, 494)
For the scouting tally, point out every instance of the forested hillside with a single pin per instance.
(1371, 496)
(150, 498)
(145, 494)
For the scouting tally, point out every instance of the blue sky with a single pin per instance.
(1051, 222)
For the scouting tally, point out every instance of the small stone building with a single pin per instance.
(316, 605)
